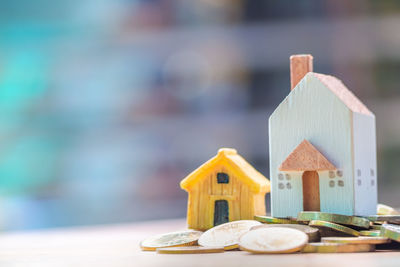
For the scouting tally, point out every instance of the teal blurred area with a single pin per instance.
(105, 105)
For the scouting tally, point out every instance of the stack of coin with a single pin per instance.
(341, 233)
(310, 232)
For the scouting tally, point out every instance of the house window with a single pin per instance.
(331, 183)
(340, 183)
(372, 182)
(331, 174)
(280, 176)
(339, 173)
(288, 186)
(372, 172)
(281, 186)
(359, 182)
(358, 172)
(287, 176)
(222, 178)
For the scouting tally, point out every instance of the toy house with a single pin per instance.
(322, 148)
(225, 188)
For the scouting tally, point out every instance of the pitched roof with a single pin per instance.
(305, 157)
(343, 93)
(255, 180)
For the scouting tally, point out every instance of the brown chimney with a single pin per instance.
(300, 65)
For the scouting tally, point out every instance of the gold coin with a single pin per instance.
(391, 231)
(337, 248)
(226, 235)
(313, 233)
(334, 218)
(356, 240)
(370, 233)
(383, 209)
(395, 219)
(335, 227)
(273, 240)
(190, 250)
(181, 238)
(375, 227)
(268, 219)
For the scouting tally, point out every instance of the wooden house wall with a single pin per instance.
(365, 173)
(334, 194)
(203, 195)
(311, 111)
(288, 195)
(331, 186)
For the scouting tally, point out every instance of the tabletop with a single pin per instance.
(118, 245)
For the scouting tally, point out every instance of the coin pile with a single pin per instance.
(310, 232)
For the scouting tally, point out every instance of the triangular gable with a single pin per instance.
(229, 157)
(249, 173)
(343, 93)
(305, 157)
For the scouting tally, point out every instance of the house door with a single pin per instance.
(221, 212)
(311, 191)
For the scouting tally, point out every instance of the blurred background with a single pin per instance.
(105, 105)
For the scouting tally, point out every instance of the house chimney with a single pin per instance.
(300, 65)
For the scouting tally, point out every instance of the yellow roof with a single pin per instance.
(229, 157)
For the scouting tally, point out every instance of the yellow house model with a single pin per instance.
(225, 188)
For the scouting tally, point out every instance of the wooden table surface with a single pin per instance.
(118, 245)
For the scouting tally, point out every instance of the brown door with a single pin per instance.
(311, 191)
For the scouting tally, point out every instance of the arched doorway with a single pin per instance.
(311, 200)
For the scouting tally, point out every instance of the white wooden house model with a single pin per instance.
(322, 148)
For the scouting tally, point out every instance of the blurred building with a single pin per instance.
(101, 100)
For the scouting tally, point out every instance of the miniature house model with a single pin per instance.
(225, 188)
(322, 148)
